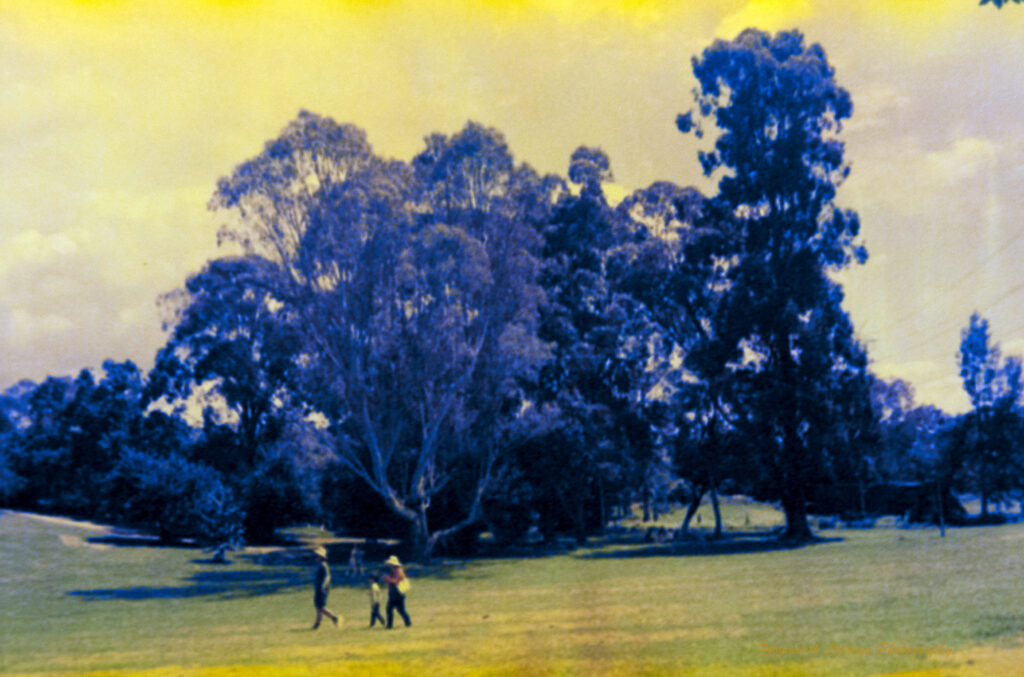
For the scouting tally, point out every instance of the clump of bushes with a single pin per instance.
(278, 493)
(10, 481)
(173, 496)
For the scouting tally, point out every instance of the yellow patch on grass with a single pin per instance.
(982, 661)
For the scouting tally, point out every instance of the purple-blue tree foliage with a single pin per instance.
(230, 331)
(988, 457)
(778, 112)
(987, 378)
(272, 192)
(682, 280)
(466, 172)
(592, 391)
(412, 288)
(590, 167)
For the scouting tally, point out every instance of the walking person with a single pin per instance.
(375, 602)
(398, 586)
(355, 562)
(321, 587)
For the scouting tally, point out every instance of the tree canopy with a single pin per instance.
(778, 111)
(414, 290)
(986, 451)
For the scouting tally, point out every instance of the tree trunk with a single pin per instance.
(581, 526)
(792, 456)
(863, 501)
(712, 479)
(419, 538)
(795, 507)
(718, 511)
(984, 487)
(983, 465)
(691, 509)
(247, 426)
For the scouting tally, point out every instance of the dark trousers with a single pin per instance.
(396, 601)
(375, 615)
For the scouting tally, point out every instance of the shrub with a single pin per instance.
(278, 494)
(177, 498)
(51, 482)
(10, 481)
(509, 507)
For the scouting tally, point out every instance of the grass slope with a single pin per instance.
(868, 602)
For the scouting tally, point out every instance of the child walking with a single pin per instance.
(321, 587)
(375, 602)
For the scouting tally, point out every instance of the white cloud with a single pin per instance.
(768, 15)
(30, 247)
(86, 290)
(964, 159)
(25, 328)
(939, 208)
(874, 106)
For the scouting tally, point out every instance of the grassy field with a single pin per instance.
(864, 602)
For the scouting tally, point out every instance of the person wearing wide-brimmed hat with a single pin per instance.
(321, 587)
(398, 585)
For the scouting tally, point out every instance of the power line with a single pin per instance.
(1000, 250)
(957, 288)
(983, 312)
(1010, 292)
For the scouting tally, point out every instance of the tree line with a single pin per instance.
(457, 343)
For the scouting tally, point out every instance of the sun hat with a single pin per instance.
(392, 561)
(320, 551)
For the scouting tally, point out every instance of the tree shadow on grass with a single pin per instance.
(214, 584)
(131, 541)
(729, 544)
(538, 550)
(267, 571)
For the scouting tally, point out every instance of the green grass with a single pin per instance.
(67, 606)
(738, 514)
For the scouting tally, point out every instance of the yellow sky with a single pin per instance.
(117, 118)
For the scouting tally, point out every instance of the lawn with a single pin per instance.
(862, 602)
(738, 514)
